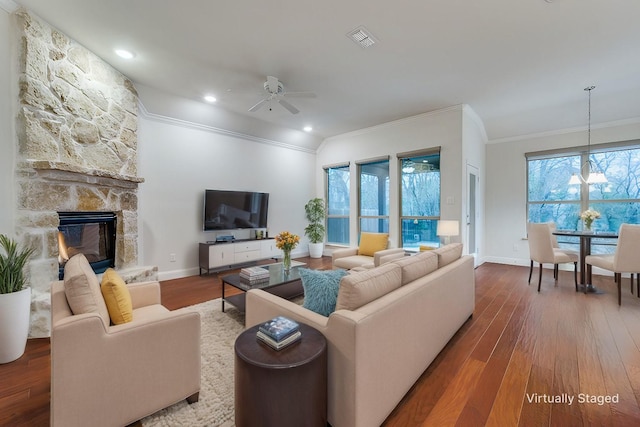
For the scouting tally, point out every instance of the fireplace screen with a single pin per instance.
(90, 233)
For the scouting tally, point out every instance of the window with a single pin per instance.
(338, 204)
(551, 198)
(373, 194)
(419, 198)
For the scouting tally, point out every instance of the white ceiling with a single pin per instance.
(521, 65)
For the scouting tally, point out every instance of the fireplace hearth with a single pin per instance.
(90, 233)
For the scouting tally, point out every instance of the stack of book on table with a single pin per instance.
(253, 275)
(279, 332)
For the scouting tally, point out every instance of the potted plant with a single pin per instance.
(315, 212)
(15, 300)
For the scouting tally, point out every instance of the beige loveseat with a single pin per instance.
(113, 375)
(389, 324)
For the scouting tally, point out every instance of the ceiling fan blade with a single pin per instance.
(291, 108)
(258, 105)
(299, 94)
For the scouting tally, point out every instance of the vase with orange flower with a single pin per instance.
(287, 242)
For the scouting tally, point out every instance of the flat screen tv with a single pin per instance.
(228, 210)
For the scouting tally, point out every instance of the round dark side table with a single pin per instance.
(281, 388)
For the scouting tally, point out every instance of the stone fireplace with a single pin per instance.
(77, 152)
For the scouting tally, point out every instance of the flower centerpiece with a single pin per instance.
(588, 217)
(287, 242)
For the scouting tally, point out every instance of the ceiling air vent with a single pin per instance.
(362, 37)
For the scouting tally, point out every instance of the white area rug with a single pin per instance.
(215, 406)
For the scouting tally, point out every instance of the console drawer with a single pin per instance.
(247, 256)
(246, 246)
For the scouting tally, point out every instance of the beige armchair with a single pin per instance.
(624, 260)
(371, 252)
(106, 375)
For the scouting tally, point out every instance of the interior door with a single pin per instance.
(473, 183)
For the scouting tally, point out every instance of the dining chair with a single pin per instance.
(556, 248)
(625, 259)
(542, 251)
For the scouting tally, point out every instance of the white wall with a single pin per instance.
(440, 128)
(506, 210)
(7, 141)
(179, 160)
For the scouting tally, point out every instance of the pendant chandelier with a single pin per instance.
(595, 175)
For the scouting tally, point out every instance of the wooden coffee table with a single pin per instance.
(285, 285)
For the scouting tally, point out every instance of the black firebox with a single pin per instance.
(90, 233)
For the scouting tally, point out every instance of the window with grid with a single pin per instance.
(373, 196)
(338, 200)
(550, 197)
(419, 198)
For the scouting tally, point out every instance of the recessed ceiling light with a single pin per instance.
(210, 98)
(307, 128)
(126, 54)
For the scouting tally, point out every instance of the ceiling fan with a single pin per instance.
(275, 92)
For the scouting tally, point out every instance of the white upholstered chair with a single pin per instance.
(626, 258)
(556, 248)
(542, 251)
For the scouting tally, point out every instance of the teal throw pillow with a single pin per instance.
(321, 289)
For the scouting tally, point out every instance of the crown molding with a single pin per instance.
(207, 128)
(616, 123)
(8, 6)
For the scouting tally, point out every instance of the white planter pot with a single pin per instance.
(15, 314)
(315, 250)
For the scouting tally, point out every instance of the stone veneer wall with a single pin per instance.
(76, 131)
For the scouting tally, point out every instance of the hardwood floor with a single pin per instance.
(519, 346)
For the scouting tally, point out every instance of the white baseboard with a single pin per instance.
(177, 274)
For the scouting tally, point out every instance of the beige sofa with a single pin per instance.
(113, 375)
(389, 325)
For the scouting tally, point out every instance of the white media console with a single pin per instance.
(223, 255)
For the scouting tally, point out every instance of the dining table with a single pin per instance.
(586, 238)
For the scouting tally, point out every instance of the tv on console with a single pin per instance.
(228, 210)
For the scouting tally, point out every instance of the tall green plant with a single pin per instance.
(315, 211)
(12, 263)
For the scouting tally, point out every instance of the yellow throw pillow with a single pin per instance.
(117, 297)
(371, 243)
(427, 248)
